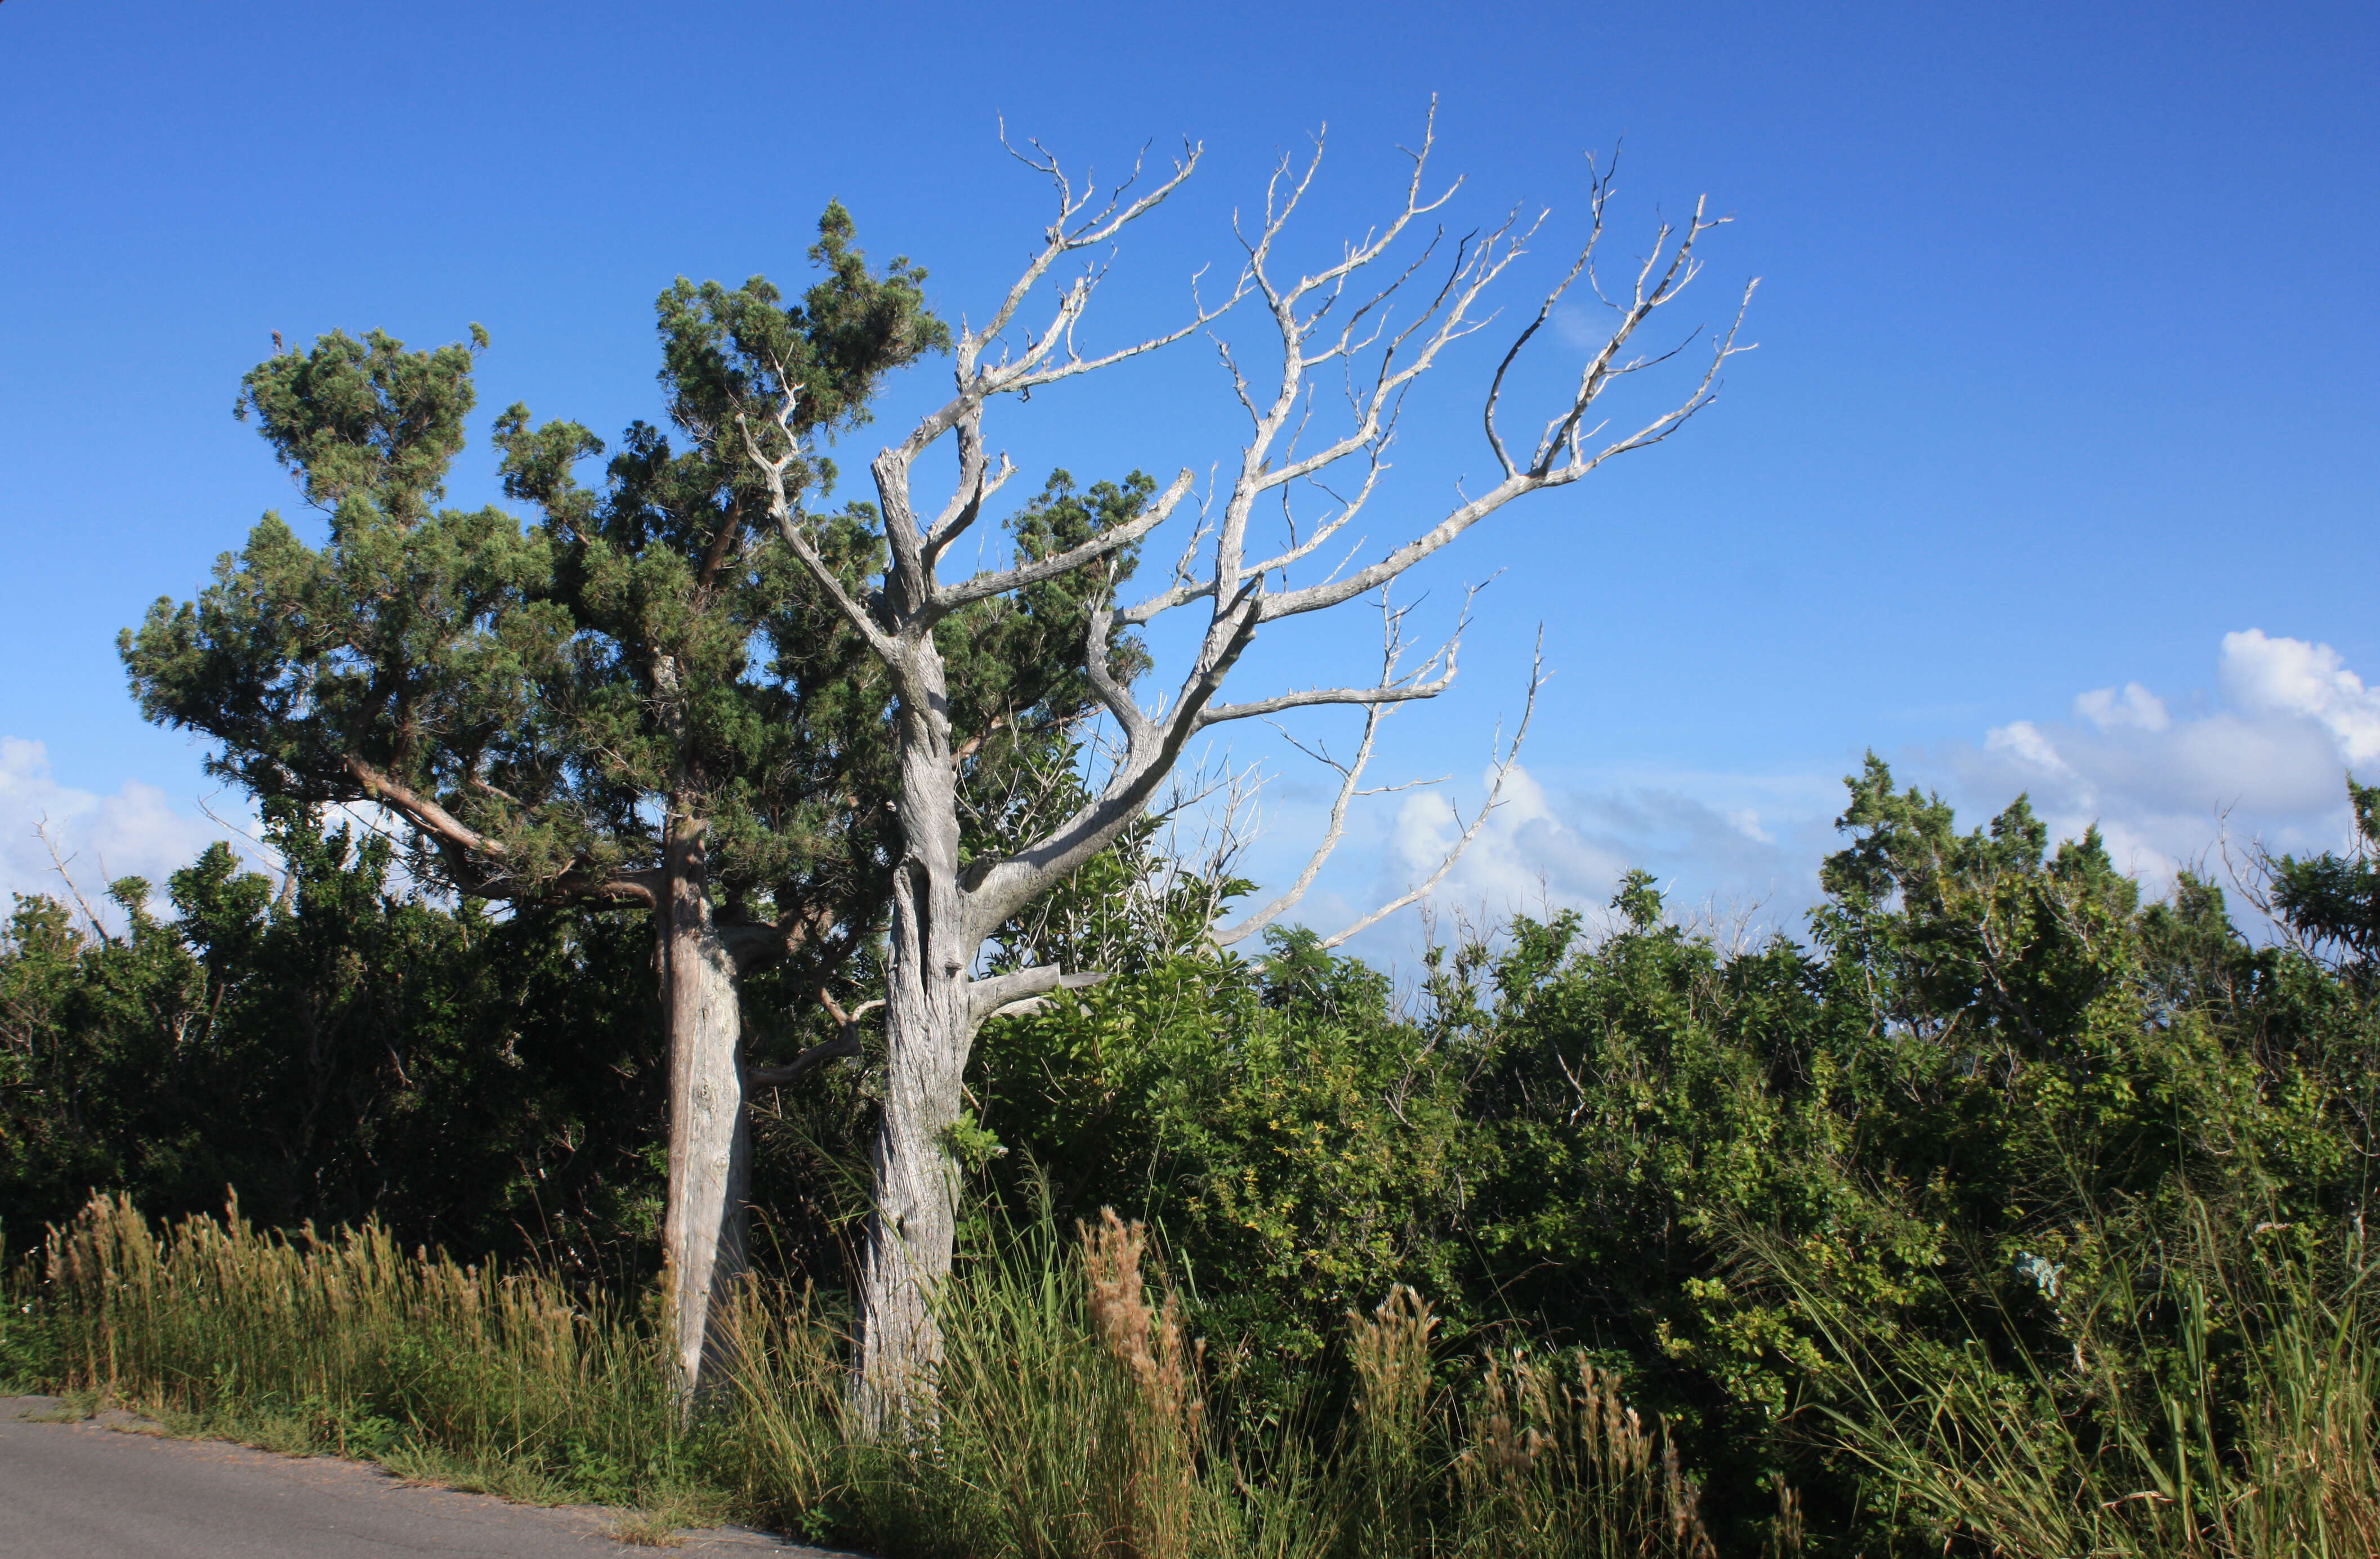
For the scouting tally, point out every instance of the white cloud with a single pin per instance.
(1524, 857)
(2107, 708)
(1747, 822)
(2291, 677)
(2022, 739)
(134, 833)
(2267, 762)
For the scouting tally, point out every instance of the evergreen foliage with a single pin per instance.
(2334, 900)
(536, 700)
(334, 1048)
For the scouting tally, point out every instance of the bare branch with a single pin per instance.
(478, 861)
(1351, 777)
(803, 1064)
(1494, 798)
(58, 864)
(780, 511)
(977, 481)
(1073, 365)
(1098, 626)
(982, 587)
(1070, 232)
(420, 811)
(1012, 995)
(1314, 698)
(846, 1042)
(1351, 783)
(1598, 196)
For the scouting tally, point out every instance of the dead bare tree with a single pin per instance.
(1327, 323)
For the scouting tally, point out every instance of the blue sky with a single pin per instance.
(2063, 383)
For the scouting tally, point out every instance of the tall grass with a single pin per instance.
(2212, 1393)
(348, 1342)
(1071, 1422)
(1068, 1421)
(2209, 1394)
(1543, 1460)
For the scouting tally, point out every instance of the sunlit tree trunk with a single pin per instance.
(709, 1140)
(928, 1030)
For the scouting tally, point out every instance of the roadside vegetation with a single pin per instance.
(2005, 1213)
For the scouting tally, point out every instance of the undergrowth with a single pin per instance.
(2204, 1384)
(1071, 1422)
(2212, 1393)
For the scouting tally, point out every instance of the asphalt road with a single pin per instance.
(86, 1490)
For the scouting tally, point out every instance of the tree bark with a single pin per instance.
(929, 1030)
(703, 1242)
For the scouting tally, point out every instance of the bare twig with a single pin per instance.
(58, 864)
(1494, 798)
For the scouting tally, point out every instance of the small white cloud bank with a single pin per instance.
(2109, 708)
(135, 832)
(2167, 778)
(2265, 760)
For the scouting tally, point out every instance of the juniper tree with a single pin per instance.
(625, 702)
(2331, 902)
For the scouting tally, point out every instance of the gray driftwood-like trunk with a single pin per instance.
(710, 1133)
(929, 1029)
(942, 917)
(700, 966)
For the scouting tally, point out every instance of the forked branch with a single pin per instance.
(846, 1042)
(1370, 342)
(1351, 783)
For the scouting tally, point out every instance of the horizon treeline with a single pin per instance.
(1989, 1079)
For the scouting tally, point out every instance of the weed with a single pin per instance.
(1069, 1419)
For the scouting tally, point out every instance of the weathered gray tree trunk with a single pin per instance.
(929, 1030)
(709, 1141)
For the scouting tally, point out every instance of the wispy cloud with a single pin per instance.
(135, 832)
(1730, 844)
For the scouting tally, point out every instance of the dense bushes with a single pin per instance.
(333, 1048)
(1940, 1200)
(1990, 1060)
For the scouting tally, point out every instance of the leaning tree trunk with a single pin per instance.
(709, 1137)
(929, 1029)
